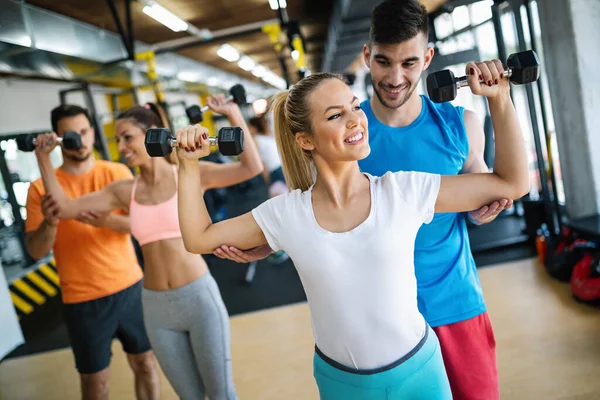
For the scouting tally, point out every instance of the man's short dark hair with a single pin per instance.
(66, 111)
(396, 21)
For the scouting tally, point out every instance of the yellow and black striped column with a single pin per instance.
(34, 289)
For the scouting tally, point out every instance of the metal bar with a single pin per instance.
(63, 97)
(440, 62)
(101, 144)
(16, 208)
(282, 13)
(63, 93)
(464, 30)
(196, 43)
(555, 203)
(192, 41)
(496, 15)
(28, 24)
(8, 183)
(463, 81)
(16, 51)
(550, 216)
(497, 21)
(207, 41)
(135, 96)
(449, 6)
(16, 135)
(105, 90)
(130, 36)
(115, 15)
(433, 37)
(115, 103)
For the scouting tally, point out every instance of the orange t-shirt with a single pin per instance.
(92, 262)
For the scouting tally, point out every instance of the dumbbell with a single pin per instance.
(70, 141)
(160, 141)
(523, 67)
(237, 94)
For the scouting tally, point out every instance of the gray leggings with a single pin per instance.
(188, 328)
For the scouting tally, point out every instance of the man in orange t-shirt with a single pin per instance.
(99, 273)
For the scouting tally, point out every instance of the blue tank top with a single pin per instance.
(449, 290)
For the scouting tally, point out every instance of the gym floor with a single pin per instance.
(547, 347)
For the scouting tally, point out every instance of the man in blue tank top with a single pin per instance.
(410, 132)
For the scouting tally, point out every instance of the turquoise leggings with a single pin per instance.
(420, 375)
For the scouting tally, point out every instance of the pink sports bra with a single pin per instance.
(154, 222)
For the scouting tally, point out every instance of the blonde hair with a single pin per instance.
(292, 115)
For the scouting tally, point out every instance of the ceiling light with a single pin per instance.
(260, 106)
(275, 6)
(188, 76)
(270, 77)
(259, 71)
(165, 17)
(274, 80)
(227, 52)
(246, 63)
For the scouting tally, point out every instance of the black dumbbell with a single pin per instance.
(70, 141)
(523, 67)
(237, 94)
(160, 141)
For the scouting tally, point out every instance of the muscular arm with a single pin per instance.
(250, 164)
(199, 234)
(510, 177)
(475, 163)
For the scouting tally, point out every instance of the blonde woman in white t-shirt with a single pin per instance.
(351, 235)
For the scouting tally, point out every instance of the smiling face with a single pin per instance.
(130, 139)
(397, 68)
(339, 126)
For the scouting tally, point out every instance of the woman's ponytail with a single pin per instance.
(297, 166)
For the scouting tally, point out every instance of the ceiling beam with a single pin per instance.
(222, 34)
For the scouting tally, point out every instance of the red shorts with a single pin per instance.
(469, 352)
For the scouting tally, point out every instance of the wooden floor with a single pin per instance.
(548, 348)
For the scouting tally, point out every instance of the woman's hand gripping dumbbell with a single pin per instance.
(522, 68)
(218, 103)
(160, 141)
(192, 143)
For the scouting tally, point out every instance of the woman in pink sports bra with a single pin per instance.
(184, 314)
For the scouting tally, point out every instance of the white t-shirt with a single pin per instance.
(360, 285)
(267, 149)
